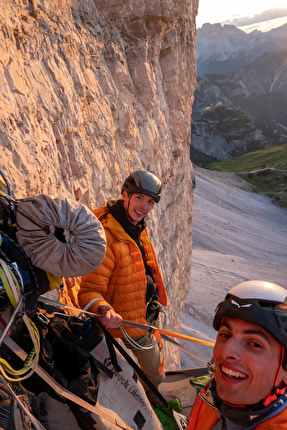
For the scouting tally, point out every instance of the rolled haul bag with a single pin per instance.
(61, 236)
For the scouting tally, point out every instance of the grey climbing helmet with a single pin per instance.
(261, 303)
(143, 182)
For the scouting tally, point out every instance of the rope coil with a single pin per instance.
(134, 344)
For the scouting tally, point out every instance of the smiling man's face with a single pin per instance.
(246, 360)
(137, 205)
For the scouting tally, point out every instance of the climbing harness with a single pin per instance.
(154, 308)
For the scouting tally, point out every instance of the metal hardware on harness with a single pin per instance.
(15, 265)
(43, 318)
(155, 308)
(210, 367)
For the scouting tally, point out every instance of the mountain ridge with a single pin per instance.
(229, 120)
(244, 109)
(222, 49)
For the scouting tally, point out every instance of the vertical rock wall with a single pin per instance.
(93, 89)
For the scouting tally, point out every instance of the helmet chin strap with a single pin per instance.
(276, 391)
(128, 215)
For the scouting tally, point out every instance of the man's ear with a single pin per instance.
(284, 376)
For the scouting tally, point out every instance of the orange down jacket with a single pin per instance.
(204, 417)
(120, 280)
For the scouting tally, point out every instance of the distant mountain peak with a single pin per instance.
(222, 49)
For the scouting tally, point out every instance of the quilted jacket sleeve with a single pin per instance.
(94, 285)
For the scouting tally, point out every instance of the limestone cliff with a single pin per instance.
(93, 89)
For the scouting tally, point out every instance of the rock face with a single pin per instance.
(91, 90)
(229, 120)
(245, 109)
(267, 74)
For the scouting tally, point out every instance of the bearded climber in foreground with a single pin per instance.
(248, 390)
(128, 284)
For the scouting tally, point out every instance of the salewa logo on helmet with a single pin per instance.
(233, 302)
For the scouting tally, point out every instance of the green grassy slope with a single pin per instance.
(265, 170)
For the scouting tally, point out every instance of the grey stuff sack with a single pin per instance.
(61, 236)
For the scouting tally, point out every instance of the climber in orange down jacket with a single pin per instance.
(128, 282)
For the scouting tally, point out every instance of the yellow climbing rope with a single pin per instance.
(13, 292)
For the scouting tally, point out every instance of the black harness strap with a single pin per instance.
(112, 353)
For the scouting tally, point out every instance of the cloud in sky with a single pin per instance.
(266, 15)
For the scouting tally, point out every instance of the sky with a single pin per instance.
(247, 15)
